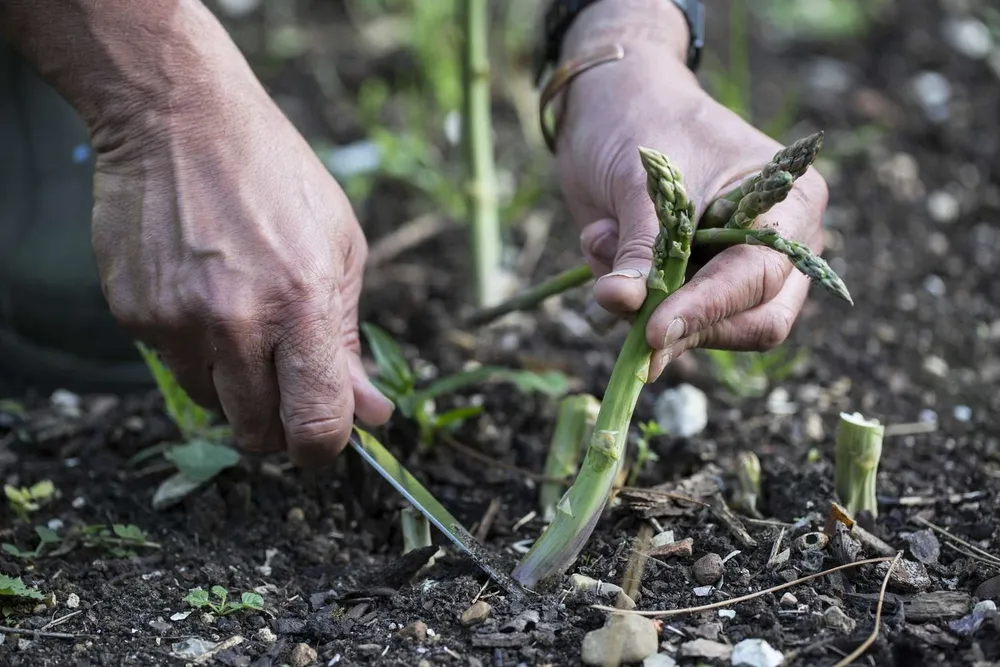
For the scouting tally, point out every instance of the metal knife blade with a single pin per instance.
(372, 451)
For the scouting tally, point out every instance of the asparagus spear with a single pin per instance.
(578, 511)
(574, 426)
(856, 455)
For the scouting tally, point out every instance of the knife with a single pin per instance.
(378, 457)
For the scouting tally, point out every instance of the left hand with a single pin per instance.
(743, 298)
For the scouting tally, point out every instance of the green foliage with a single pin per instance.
(823, 19)
(120, 541)
(751, 374)
(191, 419)
(644, 454)
(15, 588)
(26, 500)
(201, 460)
(396, 380)
(199, 597)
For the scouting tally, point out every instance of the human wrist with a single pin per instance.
(658, 25)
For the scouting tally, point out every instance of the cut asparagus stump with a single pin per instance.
(857, 453)
(581, 506)
(574, 426)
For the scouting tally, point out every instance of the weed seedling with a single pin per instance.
(199, 597)
(644, 454)
(28, 499)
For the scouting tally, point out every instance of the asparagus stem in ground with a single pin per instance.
(801, 256)
(478, 139)
(533, 296)
(856, 456)
(578, 511)
(748, 483)
(416, 529)
(573, 429)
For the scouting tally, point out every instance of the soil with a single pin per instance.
(920, 345)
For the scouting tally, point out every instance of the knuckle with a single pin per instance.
(313, 427)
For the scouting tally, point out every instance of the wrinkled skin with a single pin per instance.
(224, 243)
(743, 298)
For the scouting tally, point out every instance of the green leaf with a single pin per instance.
(201, 460)
(15, 552)
(220, 592)
(197, 597)
(252, 601)
(551, 383)
(14, 587)
(393, 367)
(129, 532)
(454, 418)
(47, 535)
(189, 417)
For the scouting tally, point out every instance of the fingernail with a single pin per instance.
(675, 331)
(633, 274)
(657, 362)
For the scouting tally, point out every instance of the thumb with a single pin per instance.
(623, 290)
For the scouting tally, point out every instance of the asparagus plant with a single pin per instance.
(572, 432)
(478, 139)
(581, 506)
(856, 454)
(726, 221)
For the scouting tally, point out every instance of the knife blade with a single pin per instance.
(378, 457)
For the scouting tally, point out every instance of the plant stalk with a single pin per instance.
(416, 529)
(477, 128)
(573, 430)
(533, 296)
(856, 455)
(580, 508)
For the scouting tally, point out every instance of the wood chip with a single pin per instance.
(501, 640)
(674, 498)
(681, 548)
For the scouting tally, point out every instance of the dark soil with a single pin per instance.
(923, 337)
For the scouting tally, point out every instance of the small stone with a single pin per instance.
(477, 613)
(835, 619)
(968, 36)
(727, 613)
(709, 631)
(72, 601)
(984, 606)
(160, 626)
(907, 577)
(924, 546)
(626, 638)
(943, 207)
(266, 635)
(788, 600)
(296, 515)
(659, 660)
(989, 589)
(962, 413)
(682, 411)
(302, 655)
(779, 402)
(756, 653)
(935, 365)
(933, 92)
(661, 539)
(708, 569)
(23, 644)
(813, 428)
(704, 648)
(703, 591)
(935, 286)
(416, 631)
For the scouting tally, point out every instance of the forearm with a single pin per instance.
(128, 65)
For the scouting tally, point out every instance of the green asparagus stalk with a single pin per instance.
(578, 511)
(804, 259)
(416, 529)
(856, 456)
(760, 194)
(478, 139)
(573, 429)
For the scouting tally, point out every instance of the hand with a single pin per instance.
(223, 242)
(744, 298)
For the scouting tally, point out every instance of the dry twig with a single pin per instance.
(857, 653)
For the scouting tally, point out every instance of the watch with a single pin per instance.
(561, 13)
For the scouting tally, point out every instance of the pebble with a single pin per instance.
(708, 569)
(756, 653)
(788, 600)
(624, 639)
(835, 619)
(704, 648)
(943, 207)
(302, 655)
(727, 613)
(924, 546)
(935, 285)
(814, 428)
(935, 365)
(477, 613)
(968, 36)
(779, 402)
(659, 660)
(682, 411)
(933, 92)
(416, 630)
(72, 601)
(661, 539)
(962, 413)
(266, 635)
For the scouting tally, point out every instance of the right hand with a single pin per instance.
(224, 243)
